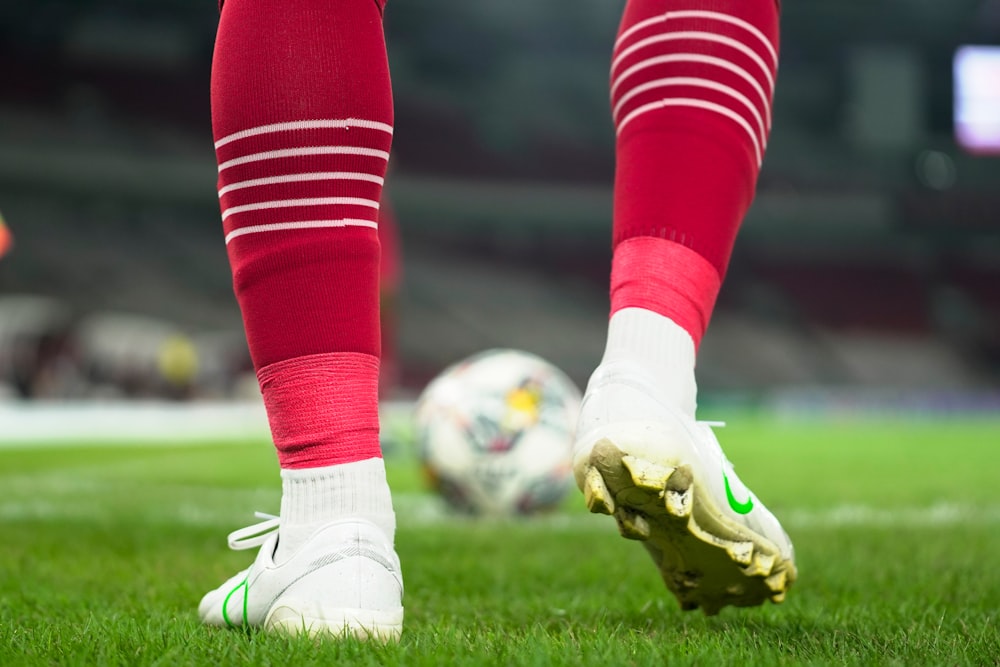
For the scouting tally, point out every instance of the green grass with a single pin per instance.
(106, 551)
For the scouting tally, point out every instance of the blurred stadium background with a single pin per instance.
(867, 274)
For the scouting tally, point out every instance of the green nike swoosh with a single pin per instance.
(245, 585)
(735, 505)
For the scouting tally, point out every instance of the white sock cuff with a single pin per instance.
(662, 342)
(319, 495)
(660, 346)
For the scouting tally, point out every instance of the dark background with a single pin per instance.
(870, 260)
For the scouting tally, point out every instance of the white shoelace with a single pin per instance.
(255, 535)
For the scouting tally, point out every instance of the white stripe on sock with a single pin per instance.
(702, 59)
(698, 14)
(698, 104)
(309, 176)
(341, 124)
(703, 36)
(313, 201)
(307, 224)
(700, 83)
(300, 152)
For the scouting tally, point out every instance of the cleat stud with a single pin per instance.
(735, 589)
(778, 598)
(647, 475)
(741, 552)
(681, 479)
(776, 582)
(632, 526)
(678, 503)
(596, 494)
(761, 566)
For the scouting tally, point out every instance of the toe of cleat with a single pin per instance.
(656, 504)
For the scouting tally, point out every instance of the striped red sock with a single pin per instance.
(691, 89)
(302, 116)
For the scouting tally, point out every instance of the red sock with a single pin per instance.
(691, 89)
(302, 116)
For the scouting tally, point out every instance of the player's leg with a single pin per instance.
(691, 89)
(302, 116)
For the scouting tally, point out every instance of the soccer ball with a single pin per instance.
(495, 433)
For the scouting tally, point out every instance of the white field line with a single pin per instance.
(63, 497)
(142, 423)
(153, 422)
(939, 514)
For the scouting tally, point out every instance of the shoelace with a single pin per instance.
(255, 535)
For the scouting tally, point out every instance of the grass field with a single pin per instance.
(107, 550)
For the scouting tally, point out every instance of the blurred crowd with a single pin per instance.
(51, 349)
(47, 351)
(871, 257)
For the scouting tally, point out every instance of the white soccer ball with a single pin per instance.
(495, 433)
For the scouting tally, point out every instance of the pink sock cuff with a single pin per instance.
(667, 278)
(323, 408)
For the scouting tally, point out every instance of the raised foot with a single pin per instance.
(706, 560)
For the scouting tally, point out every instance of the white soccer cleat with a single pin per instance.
(665, 479)
(345, 580)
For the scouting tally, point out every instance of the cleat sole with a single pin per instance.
(705, 560)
